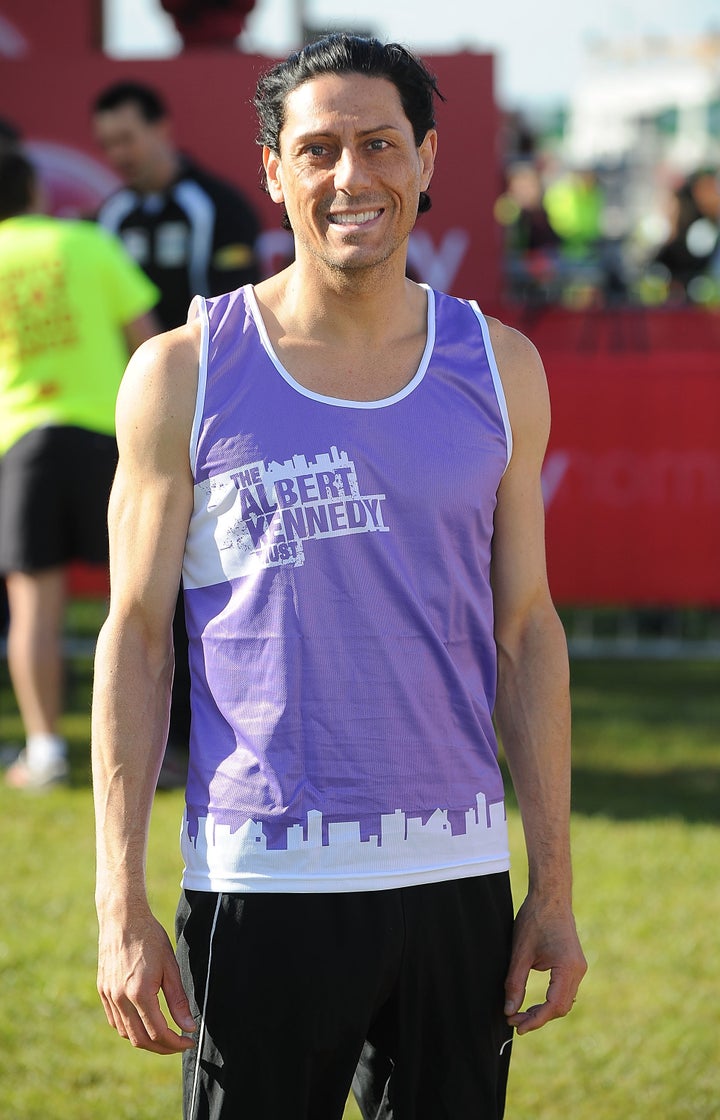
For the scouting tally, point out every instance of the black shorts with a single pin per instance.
(54, 490)
(398, 993)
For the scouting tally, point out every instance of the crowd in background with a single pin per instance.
(575, 235)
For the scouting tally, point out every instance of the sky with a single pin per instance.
(540, 45)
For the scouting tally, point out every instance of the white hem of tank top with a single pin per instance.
(335, 884)
(341, 402)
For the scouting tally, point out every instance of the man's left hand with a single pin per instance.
(545, 939)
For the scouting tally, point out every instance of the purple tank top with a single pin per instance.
(339, 612)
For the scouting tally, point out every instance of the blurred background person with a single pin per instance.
(192, 234)
(72, 307)
(690, 251)
(574, 203)
(10, 138)
(531, 243)
(592, 267)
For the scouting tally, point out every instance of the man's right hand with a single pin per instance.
(135, 962)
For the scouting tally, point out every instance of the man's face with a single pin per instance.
(349, 171)
(134, 147)
(707, 196)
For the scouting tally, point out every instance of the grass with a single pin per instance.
(642, 1040)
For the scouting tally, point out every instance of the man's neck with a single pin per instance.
(163, 174)
(346, 304)
(353, 342)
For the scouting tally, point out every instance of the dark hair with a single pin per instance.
(10, 135)
(348, 54)
(17, 183)
(147, 100)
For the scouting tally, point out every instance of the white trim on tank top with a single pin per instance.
(198, 310)
(341, 402)
(497, 380)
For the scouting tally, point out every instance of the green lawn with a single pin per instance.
(642, 1041)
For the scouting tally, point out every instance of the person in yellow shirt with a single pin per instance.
(574, 204)
(72, 307)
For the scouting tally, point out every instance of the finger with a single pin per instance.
(561, 992)
(558, 1003)
(513, 1002)
(532, 1019)
(157, 1035)
(516, 986)
(143, 1024)
(177, 1001)
(149, 1037)
(109, 1013)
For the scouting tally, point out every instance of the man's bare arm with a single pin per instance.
(148, 518)
(533, 704)
(140, 330)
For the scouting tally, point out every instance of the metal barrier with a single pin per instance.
(603, 632)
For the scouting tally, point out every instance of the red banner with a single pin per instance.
(632, 475)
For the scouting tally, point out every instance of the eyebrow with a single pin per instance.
(318, 133)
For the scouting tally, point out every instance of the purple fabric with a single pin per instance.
(353, 671)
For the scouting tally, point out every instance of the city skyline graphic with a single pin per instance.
(402, 842)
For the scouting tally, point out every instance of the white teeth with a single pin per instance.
(354, 219)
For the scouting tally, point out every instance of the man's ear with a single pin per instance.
(273, 174)
(428, 151)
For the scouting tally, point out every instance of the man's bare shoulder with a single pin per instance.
(514, 352)
(157, 396)
(523, 378)
(172, 351)
(165, 365)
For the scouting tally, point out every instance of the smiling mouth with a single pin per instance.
(359, 218)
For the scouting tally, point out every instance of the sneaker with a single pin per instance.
(21, 776)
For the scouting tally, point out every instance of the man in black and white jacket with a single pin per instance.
(192, 233)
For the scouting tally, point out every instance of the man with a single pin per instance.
(193, 234)
(73, 305)
(362, 505)
(10, 138)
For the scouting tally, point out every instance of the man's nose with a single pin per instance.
(351, 171)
